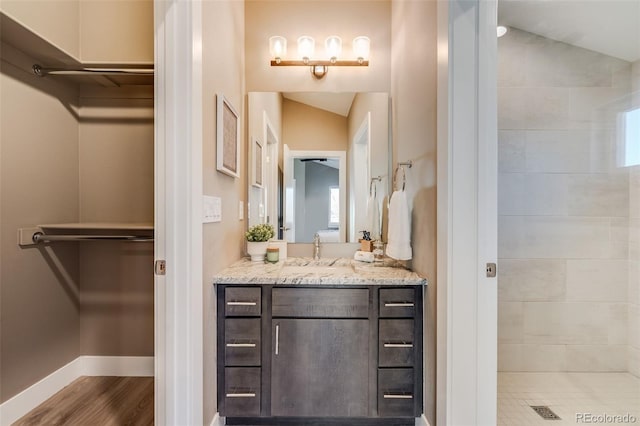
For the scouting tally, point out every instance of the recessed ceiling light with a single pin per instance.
(501, 30)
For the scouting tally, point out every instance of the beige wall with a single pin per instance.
(563, 206)
(318, 19)
(39, 290)
(117, 31)
(116, 185)
(91, 31)
(413, 94)
(305, 128)
(223, 242)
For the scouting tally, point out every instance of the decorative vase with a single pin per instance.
(257, 250)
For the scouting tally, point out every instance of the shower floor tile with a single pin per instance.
(569, 395)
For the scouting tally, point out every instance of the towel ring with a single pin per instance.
(400, 166)
(374, 187)
(395, 178)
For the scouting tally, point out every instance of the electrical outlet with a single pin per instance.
(240, 210)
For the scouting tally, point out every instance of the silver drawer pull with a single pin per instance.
(241, 345)
(398, 345)
(241, 395)
(398, 305)
(242, 303)
(397, 396)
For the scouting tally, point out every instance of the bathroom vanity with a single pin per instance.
(319, 342)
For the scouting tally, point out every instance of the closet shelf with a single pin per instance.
(51, 59)
(115, 75)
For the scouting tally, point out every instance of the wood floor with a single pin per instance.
(97, 401)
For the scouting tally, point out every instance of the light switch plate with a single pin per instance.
(211, 209)
(240, 210)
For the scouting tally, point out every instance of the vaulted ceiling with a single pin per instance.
(611, 27)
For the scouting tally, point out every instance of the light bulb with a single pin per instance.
(333, 45)
(361, 46)
(277, 47)
(501, 30)
(306, 46)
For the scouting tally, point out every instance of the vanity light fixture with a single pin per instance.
(333, 49)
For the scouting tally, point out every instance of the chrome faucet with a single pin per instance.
(316, 247)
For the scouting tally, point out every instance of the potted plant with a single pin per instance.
(258, 237)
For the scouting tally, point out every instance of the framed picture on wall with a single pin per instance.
(257, 154)
(228, 137)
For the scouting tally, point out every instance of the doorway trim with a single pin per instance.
(178, 212)
(467, 203)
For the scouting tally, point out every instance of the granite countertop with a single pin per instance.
(303, 270)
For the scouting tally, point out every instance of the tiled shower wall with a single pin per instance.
(634, 246)
(563, 209)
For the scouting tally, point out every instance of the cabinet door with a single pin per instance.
(320, 367)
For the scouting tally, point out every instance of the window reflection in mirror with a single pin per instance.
(321, 151)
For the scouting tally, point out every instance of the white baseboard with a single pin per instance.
(16, 407)
(217, 420)
(125, 366)
(422, 421)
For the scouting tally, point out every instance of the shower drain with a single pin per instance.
(545, 412)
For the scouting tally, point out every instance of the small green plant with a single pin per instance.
(261, 232)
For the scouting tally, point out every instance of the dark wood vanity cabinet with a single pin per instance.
(296, 355)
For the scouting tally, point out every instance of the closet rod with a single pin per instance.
(42, 72)
(40, 237)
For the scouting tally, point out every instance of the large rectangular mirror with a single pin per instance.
(319, 163)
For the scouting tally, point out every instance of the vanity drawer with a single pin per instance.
(397, 303)
(396, 343)
(242, 341)
(320, 303)
(242, 302)
(241, 391)
(396, 392)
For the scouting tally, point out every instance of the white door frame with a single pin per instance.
(178, 212)
(467, 213)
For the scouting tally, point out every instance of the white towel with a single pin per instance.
(399, 234)
(373, 217)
